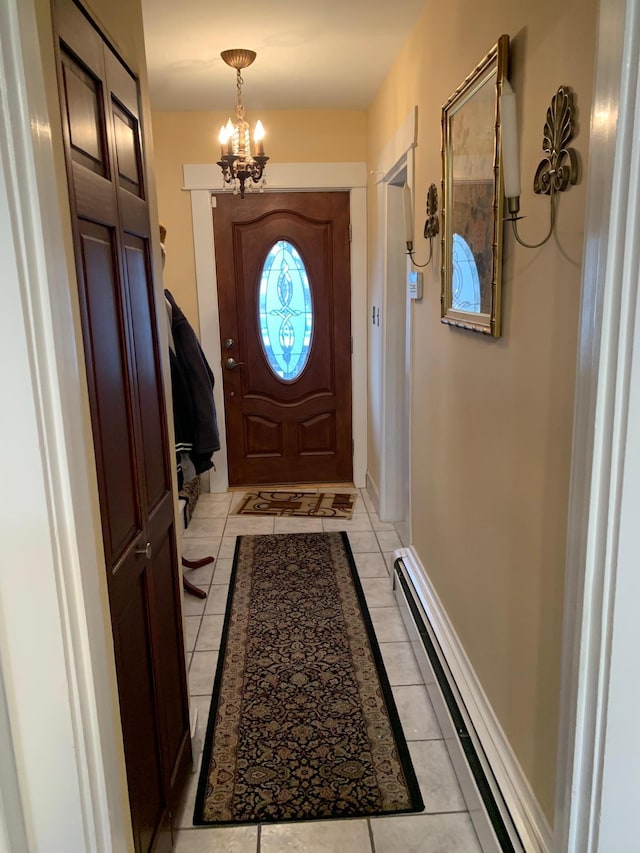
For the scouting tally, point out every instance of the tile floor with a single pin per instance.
(444, 826)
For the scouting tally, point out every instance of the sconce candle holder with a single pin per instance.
(556, 172)
(431, 226)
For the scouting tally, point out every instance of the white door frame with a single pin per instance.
(397, 155)
(599, 750)
(396, 360)
(204, 180)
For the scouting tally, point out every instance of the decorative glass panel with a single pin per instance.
(285, 311)
(465, 285)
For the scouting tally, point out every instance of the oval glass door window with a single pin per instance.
(285, 311)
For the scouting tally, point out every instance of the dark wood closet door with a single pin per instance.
(99, 100)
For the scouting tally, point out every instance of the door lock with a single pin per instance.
(229, 343)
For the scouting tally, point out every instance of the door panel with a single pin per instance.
(280, 430)
(109, 388)
(99, 98)
(154, 438)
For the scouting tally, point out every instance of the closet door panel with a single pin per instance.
(167, 644)
(105, 351)
(148, 371)
(142, 740)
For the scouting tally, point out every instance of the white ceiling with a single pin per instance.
(312, 54)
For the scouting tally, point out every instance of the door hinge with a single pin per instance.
(350, 233)
(214, 201)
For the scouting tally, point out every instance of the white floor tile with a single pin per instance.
(200, 577)
(222, 570)
(204, 528)
(361, 542)
(371, 565)
(438, 783)
(210, 633)
(424, 833)
(202, 672)
(227, 547)
(388, 624)
(202, 705)
(222, 839)
(388, 539)
(192, 605)
(419, 721)
(380, 525)
(191, 625)
(216, 509)
(378, 592)
(357, 524)
(400, 663)
(339, 836)
(217, 599)
(243, 524)
(298, 525)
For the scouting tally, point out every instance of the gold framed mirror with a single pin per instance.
(472, 197)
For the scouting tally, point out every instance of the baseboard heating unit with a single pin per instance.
(491, 818)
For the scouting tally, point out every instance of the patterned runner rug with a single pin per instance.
(315, 505)
(302, 723)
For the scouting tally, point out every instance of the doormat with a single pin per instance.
(310, 504)
(302, 724)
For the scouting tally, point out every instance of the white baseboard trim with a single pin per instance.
(373, 492)
(525, 811)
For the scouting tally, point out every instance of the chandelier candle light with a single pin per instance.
(236, 161)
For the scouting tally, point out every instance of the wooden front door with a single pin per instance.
(100, 113)
(284, 292)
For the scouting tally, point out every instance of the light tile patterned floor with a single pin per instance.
(444, 826)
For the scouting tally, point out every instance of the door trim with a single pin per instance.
(600, 604)
(204, 180)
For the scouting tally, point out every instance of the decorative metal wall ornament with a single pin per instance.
(559, 170)
(560, 167)
(431, 226)
(238, 164)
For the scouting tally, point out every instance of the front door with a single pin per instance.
(284, 292)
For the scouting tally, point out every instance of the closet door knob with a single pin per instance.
(145, 552)
(231, 363)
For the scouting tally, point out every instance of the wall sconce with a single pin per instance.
(557, 171)
(431, 225)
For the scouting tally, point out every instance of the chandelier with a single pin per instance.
(236, 161)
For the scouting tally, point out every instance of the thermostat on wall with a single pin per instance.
(415, 284)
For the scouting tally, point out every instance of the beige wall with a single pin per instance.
(295, 136)
(492, 419)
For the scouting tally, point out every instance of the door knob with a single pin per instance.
(145, 552)
(231, 364)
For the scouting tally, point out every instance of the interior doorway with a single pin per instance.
(395, 473)
(202, 182)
